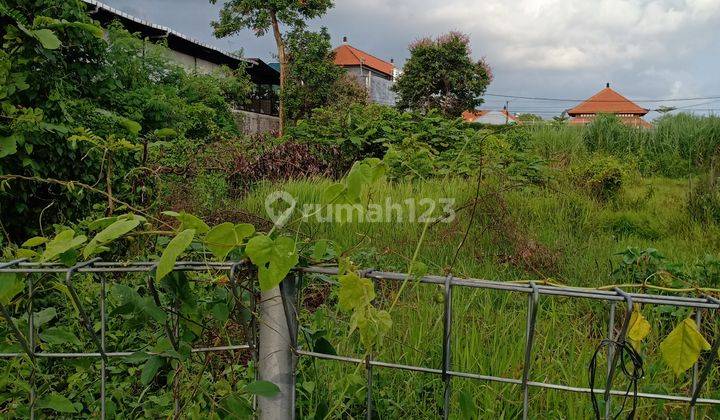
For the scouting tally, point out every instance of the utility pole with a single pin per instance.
(507, 113)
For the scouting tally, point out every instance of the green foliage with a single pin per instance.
(313, 79)
(225, 237)
(601, 176)
(117, 229)
(631, 223)
(440, 74)
(682, 347)
(10, 285)
(263, 389)
(258, 15)
(356, 295)
(174, 249)
(274, 259)
(109, 94)
(703, 201)
(413, 145)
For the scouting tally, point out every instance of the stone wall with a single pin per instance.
(253, 123)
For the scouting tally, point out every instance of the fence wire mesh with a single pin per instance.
(101, 270)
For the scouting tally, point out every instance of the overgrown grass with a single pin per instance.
(677, 145)
(556, 233)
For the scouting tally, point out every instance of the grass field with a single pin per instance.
(552, 232)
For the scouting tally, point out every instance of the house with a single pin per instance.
(375, 74)
(490, 117)
(259, 114)
(608, 101)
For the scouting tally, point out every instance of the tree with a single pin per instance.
(441, 74)
(264, 15)
(530, 118)
(311, 72)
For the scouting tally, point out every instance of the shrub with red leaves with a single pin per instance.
(289, 160)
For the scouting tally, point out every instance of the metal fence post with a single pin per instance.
(529, 338)
(275, 363)
(446, 349)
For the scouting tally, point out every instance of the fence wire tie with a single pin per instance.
(708, 364)
(529, 338)
(81, 309)
(6, 314)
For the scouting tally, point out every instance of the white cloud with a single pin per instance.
(561, 35)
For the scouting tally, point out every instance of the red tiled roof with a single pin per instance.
(345, 55)
(609, 102)
(634, 121)
(471, 116)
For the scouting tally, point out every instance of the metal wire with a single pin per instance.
(449, 282)
(534, 291)
(98, 268)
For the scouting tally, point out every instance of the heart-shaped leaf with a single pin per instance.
(355, 292)
(223, 238)
(274, 259)
(682, 347)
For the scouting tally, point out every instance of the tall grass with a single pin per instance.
(677, 145)
(581, 234)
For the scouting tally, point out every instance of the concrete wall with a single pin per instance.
(377, 85)
(193, 64)
(253, 123)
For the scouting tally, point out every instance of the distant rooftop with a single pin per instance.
(346, 55)
(607, 101)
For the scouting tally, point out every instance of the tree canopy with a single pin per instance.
(441, 74)
(314, 80)
(261, 16)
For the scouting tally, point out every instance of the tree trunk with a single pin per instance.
(282, 58)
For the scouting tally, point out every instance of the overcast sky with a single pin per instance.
(646, 49)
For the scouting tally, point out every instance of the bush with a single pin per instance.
(363, 131)
(601, 176)
(107, 83)
(704, 199)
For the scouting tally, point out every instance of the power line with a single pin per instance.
(589, 100)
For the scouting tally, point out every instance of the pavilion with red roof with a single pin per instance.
(608, 101)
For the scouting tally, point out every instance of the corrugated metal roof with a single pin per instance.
(110, 9)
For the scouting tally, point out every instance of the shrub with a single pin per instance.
(109, 83)
(288, 160)
(362, 131)
(601, 176)
(704, 199)
(209, 190)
